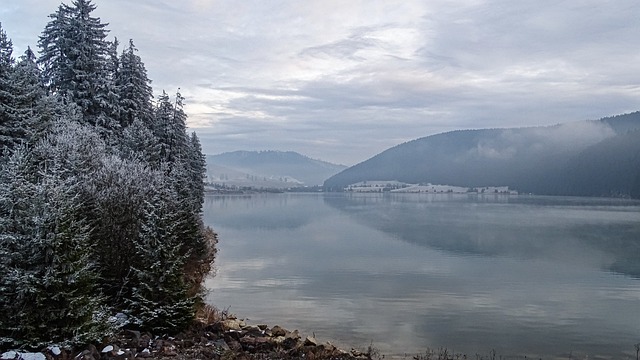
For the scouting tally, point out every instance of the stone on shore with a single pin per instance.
(227, 339)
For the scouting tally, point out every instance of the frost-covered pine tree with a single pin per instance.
(100, 200)
(17, 191)
(48, 283)
(160, 299)
(112, 110)
(177, 129)
(24, 102)
(134, 90)
(139, 142)
(6, 50)
(197, 165)
(170, 127)
(76, 150)
(6, 96)
(75, 55)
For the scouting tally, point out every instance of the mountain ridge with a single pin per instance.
(270, 168)
(528, 159)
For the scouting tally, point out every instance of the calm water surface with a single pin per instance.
(524, 275)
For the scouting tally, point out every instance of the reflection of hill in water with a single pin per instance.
(599, 232)
(258, 211)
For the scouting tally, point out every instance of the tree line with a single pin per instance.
(101, 191)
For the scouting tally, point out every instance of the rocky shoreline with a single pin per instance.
(226, 339)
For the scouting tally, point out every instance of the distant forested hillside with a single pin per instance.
(608, 168)
(270, 166)
(594, 158)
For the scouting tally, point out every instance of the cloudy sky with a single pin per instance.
(344, 80)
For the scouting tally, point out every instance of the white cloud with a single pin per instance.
(343, 81)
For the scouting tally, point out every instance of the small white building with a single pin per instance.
(433, 189)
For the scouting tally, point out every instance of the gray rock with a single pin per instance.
(310, 341)
(232, 324)
(293, 335)
(291, 340)
(220, 344)
(253, 330)
(278, 331)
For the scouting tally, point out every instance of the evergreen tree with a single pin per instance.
(75, 57)
(113, 63)
(23, 102)
(134, 90)
(197, 165)
(6, 52)
(160, 298)
(17, 193)
(178, 129)
(76, 150)
(170, 128)
(139, 142)
(112, 110)
(163, 116)
(48, 278)
(6, 96)
(100, 192)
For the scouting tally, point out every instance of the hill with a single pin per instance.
(275, 169)
(554, 160)
(609, 168)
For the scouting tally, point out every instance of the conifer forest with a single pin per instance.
(101, 190)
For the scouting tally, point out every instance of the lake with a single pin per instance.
(552, 277)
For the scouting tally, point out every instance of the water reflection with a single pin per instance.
(603, 232)
(258, 211)
(408, 272)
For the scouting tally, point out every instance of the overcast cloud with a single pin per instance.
(344, 80)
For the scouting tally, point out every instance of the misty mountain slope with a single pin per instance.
(218, 174)
(609, 168)
(527, 159)
(623, 123)
(275, 165)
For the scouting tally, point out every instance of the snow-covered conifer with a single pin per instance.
(139, 142)
(160, 299)
(6, 51)
(197, 164)
(170, 127)
(100, 192)
(22, 103)
(6, 96)
(75, 149)
(48, 283)
(134, 90)
(74, 56)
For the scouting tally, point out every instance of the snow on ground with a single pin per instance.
(11, 355)
(55, 350)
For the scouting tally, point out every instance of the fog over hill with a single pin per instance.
(276, 169)
(595, 158)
